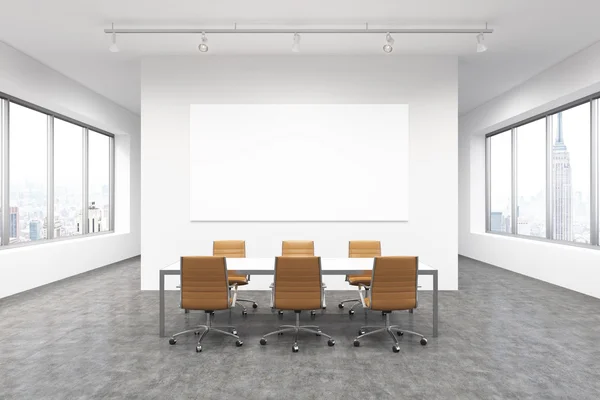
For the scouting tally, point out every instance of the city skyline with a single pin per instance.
(570, 190)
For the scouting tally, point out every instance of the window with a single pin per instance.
(55, 174)
(28, 174)
(500, 182)
(571, 174)
(553, 181)
(68, 178)
(531, 179)
(99, 182)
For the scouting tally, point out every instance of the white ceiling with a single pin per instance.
(530, 35)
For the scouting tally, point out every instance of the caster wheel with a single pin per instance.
(351, 312)
(280, 333)
(396, 349)
(318, 333)
(400, 333)
(295, 348)
(383, 313)
(198, 349)
(244, 313)
(280, 312)
(356, 343)
(172, 341)
(212, 313)
(330, 342)
(361, 332)
(254, 305)
(340, 306)
(196, 333)
(263, 341)
(238, 343)
(234, 331)
(423, 342)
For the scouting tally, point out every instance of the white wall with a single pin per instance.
(427, 84)
(568, 266)
(27, 267)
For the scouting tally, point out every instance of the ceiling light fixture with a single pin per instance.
(113, 47)
(481, 47)
(389, 41)
(203, 47)
(296, 44)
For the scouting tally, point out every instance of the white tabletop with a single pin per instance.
(329, 266)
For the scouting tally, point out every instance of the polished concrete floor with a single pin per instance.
(502, 336)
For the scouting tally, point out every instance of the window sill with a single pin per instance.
(540, 240)
(69, 239)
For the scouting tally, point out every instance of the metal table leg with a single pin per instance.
(161, 307)
(435, 303)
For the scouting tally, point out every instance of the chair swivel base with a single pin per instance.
(244, 311)
(205, 329)
(297, 329)
(355, 301)
(390, 330)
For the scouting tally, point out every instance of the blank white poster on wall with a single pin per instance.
(299, 162)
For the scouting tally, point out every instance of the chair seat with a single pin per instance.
(237, 279)
(356, 280)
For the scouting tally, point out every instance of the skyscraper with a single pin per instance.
(34, 230)
(561, 196)
(14, 228)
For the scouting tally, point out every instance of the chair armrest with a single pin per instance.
(323, 285)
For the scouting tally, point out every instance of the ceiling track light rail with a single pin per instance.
(387, 47)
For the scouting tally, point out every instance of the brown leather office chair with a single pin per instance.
(297, 287)
(297, 248)
(361, 249)
(204, 286)
(234, 249)
(300, 248)
(393, 288)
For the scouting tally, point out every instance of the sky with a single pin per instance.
(28, 150)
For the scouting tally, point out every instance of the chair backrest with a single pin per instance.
(229, 248)
(298, 248)
(394, 283)
(297, 283)
(204, 283)
(364, 248)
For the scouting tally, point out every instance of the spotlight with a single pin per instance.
(480, 46)
(389, 41)
(113, 47)
(203, 47)
(296, 44)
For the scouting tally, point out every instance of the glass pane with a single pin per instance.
(28, 174)
(571, 174)
(531, 179)
(68, 178)
(500, 182)
(99, 185)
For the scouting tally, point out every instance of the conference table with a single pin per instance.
(266, 266)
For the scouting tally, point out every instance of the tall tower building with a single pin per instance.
(561, 196)
(34, 230)
(14, 228)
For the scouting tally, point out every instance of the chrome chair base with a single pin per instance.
(297, 329)
(390, 330)
(244, 311)
(351, 310)
(202, 330)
